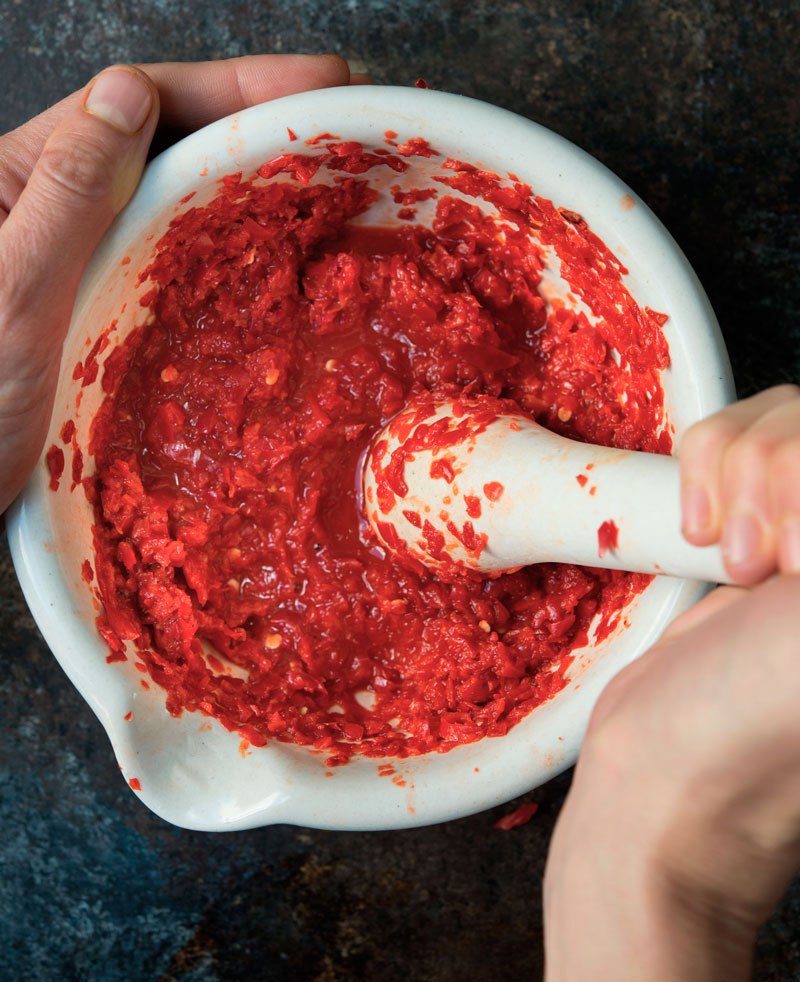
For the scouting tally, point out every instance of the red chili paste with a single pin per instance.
(493, 490)
(229, 543)
(607, 538)
(521, 815)
(54, 458)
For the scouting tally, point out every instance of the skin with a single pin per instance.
(741, 484)
(682, 828)
(64, 176)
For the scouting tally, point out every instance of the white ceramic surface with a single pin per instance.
(543, 515)
(191, 770)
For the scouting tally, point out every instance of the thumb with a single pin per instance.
(86, 173)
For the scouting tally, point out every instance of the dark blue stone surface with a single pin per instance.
(694, 104)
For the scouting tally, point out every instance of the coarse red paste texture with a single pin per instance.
(607, 537)
(280, 338)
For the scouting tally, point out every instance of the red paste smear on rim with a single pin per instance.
(67, 431)
(607, 538)
(521, 815)
(54, 458)
(493, 490)
(281, 338)
(69, 438)
(473, 504)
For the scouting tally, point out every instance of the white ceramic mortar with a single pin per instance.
(191, 770)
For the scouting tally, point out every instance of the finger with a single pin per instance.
(86, 172)
(709, 606)
(359, 78)
(192, 94)
(785, 481)
(701, 453)
(19, 151)
(749, 522)
(784, 493)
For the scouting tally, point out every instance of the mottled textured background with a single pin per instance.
(696, 105)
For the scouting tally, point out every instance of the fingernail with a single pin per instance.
(696, 510)
(789, 545)
(121, 98)
(742, 540)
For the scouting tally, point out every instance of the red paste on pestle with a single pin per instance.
(281, 338)
(607, 537)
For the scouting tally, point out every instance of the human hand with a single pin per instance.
(740, 484)
(65, 175)
(682, 827)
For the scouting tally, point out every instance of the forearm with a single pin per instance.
(621, 915)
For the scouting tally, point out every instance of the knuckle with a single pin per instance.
(708, 437)
(81, 168)
(786, 459)
(749, 452)
(608, 716)
(607, 738)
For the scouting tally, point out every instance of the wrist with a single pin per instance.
(698, 930)
(722, 841)
(616, 908)
(728, 848)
